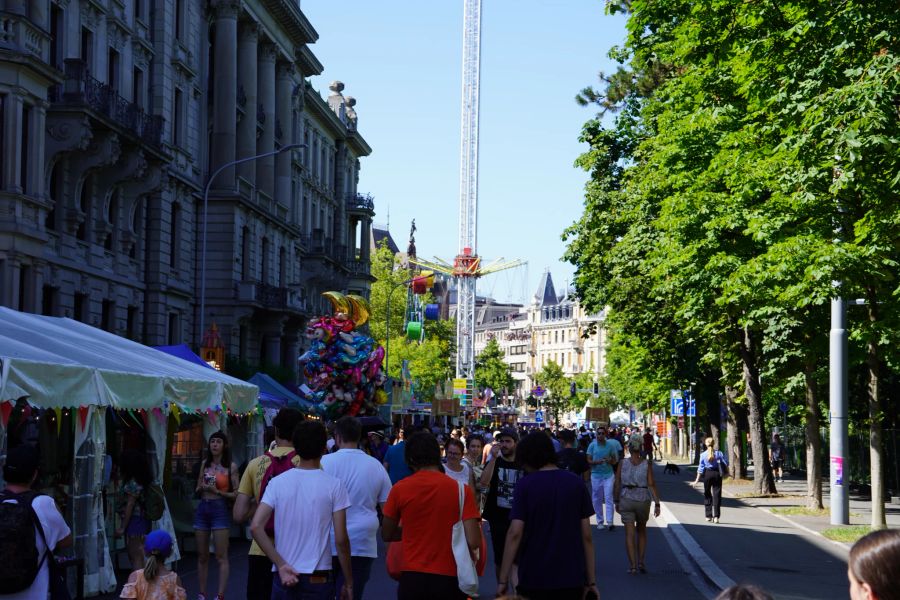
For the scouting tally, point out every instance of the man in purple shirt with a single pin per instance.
(550, 529)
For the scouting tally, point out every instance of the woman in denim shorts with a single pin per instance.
(633, 489)
(216, 485)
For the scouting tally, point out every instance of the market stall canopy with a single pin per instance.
(60, 363)
(273, 389)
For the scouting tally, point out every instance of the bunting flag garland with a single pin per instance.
(58, 412)
(6, 409)
(176, 412)
(158, 413)
(82, 415)
(26, 411)
(211, 415)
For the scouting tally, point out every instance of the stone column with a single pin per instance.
(246, 129)
(365, 239)
(224, 135)
(12, 135)
(284, 88)
(265, 172)
(37, 150)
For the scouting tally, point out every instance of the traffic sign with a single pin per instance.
(690, 404)
(677, 408)
(783, 407)
(538, 416)
(538, 391)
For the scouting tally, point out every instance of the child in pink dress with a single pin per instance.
(155, 581)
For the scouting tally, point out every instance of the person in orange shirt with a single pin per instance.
(427, 504)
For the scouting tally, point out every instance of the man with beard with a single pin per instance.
(500, 477)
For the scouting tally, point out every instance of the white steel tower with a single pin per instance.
(466, 264)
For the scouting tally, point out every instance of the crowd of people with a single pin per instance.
(317, 498)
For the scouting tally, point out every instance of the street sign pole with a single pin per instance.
(837, 388)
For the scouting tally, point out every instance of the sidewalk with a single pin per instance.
(751, 545)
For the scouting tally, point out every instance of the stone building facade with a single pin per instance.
(553, 327)
(113, 115)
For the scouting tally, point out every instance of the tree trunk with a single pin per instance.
(813, 441)
(713, 404)
(876, 441)
(737, 468)
(762, 469)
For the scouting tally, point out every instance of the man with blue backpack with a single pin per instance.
(31, 529)
(259, 472)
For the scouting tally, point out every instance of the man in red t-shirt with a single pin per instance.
(649, 445)
(427, 504)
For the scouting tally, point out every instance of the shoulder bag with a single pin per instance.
(466, 574)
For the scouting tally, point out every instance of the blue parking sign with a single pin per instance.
(677, 408)
(690, 403)
(538, 416)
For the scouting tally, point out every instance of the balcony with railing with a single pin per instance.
(19, 34)
(81, 88)
(361, 203)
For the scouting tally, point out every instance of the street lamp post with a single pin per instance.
(205, 212)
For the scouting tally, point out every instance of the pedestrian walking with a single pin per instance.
(500, 476)
(394, 460)
(217, 481)
(633, 490)
(155, 581)
(377, 445)
(31, 530)
(873, 566)
(134, 472)
(367, 486)
(455, 467)
(711, 468)
(603, 455)
(427, 505)
(649, 445)
(308, 505)
(570, 459)
(776, 457)
(550, 529)
(474, 458)
(259, 471)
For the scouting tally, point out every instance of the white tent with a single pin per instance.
(63, 364)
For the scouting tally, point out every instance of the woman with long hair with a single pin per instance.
(475, 459)
(632, 493)
(134, 473)
(873, 566)
(712, 465)
(217, 483)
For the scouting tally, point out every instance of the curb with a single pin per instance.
(713, 574)
(843, 545)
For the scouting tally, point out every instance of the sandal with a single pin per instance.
(632, 571)
(642, 569)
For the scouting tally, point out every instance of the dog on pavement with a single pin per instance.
(672, 468)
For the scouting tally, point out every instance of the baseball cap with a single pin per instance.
(158, 542)
(21, 464)
(508, 432)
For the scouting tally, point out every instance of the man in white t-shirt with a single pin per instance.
(20, 472)
(368, 486)
(308, 503)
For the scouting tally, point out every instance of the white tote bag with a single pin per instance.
(465, 566)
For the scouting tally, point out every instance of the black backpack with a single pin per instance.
(19, 560)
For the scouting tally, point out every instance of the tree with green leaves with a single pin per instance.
(430, 359)
(556, 389)
(490, 369)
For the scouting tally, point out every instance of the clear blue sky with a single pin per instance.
(401, 60)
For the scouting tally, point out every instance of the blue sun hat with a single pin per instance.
(158, 542)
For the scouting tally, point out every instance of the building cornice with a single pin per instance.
(307, 61)
(292, 19)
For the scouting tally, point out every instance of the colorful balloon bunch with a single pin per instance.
(343, 367)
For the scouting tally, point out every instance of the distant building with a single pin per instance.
(553, 328)
(114, 115)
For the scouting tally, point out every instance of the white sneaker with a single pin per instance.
(716, 520)
(708, 519)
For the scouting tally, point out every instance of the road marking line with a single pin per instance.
(709, 568)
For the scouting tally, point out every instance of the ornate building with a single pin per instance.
(113, 115)
(553, 328)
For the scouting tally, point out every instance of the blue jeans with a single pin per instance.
(362, 569)
(304, 590)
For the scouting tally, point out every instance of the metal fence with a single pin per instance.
(857, 459)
